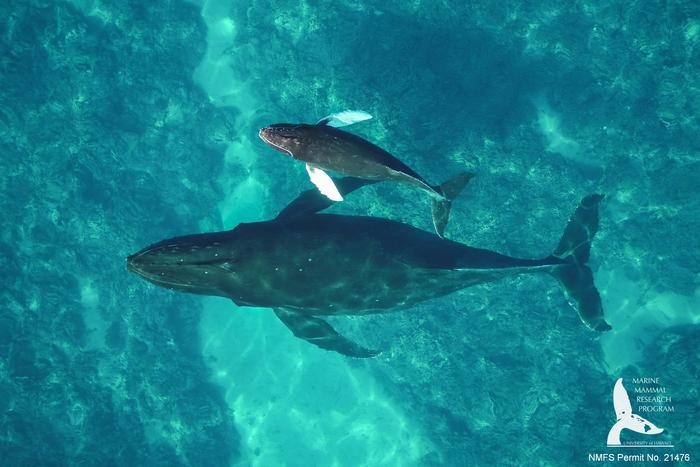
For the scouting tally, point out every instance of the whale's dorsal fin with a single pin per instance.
(344, 118)
(318, 332)
(621, 401)
(324, 183)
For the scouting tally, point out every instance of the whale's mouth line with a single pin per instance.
(160, 280)
(280, 148)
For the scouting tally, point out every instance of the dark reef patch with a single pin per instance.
(100, 122)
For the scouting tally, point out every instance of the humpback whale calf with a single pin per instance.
(306, 265)
(324, 147)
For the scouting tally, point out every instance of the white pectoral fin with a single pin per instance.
(345, 118)
(324, 183)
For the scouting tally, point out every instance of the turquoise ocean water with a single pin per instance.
(123, 123)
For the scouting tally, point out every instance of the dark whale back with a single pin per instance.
(345, 152)
(347, 235)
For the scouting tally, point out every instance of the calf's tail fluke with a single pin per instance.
(573, 274)
(441, 207)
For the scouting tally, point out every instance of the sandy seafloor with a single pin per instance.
(123, 123)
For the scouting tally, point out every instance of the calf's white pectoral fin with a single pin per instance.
(324, 183)
(345, 118)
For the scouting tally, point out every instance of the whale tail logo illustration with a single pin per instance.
(626, 420)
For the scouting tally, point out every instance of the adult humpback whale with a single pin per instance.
(305, 265)
(324, 147)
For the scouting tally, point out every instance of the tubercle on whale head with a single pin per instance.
(284, 137)
(186, 263)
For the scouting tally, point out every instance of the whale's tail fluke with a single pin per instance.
(574, 275)
(441, 206)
